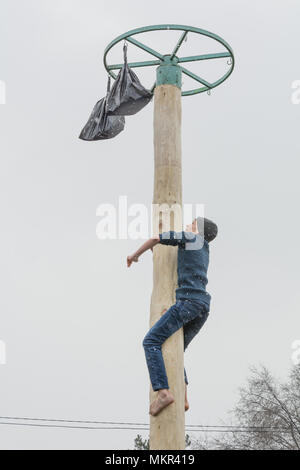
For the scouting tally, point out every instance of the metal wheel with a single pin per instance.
(172, 58)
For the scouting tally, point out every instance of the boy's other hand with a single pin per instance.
(131, 259)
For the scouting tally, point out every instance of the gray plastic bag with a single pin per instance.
(100, 126)
(127, 96)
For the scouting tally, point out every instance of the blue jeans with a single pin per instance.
(189, 314)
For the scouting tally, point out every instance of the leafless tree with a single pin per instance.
(267, 416)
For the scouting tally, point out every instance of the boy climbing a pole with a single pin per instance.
(192, 305)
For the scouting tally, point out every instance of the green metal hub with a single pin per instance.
(169, 69)
(169, 73)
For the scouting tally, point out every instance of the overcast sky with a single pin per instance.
(73, 316)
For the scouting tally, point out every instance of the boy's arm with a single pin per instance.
(148, 245)
(166, 238)
(176, 238)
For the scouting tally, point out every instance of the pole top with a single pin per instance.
(169, 74)
(170, 65)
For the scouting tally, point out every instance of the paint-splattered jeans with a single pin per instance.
(190, 315)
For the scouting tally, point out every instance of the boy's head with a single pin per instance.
(201, 224)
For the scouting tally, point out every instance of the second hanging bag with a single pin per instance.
(127, 96)
(100, 126)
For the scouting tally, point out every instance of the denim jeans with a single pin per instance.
(189, 314)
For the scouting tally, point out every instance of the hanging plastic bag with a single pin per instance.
(100, 126)
(127, 96)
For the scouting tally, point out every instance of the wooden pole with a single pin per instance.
(167, 430)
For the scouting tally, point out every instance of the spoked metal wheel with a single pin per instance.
(173, 58)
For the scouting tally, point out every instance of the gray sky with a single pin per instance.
(73, 316)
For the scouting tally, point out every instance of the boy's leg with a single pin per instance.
(168, 324)
(191, 329)
(173, 319)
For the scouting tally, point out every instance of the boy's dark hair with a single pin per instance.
(210, 228)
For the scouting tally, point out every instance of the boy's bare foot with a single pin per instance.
(186, 406)
(163, 399)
